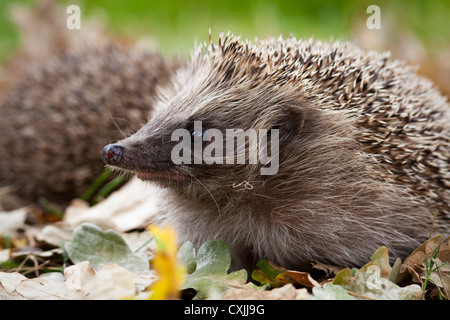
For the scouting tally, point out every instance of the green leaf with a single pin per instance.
(368, 283)
(186, 256)
(330, 291)
(267, 273)
(343, 277)
(213, 258)
(99, 247)
(211, 274)
(381, 258)
(397, 275)
(375, 280)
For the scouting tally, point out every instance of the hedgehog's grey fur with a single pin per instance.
(364, 155)
(59, 114)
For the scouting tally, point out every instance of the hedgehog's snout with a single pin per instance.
(113, 153)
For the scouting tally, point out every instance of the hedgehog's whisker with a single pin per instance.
(204, 186)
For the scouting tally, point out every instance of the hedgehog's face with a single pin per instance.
(213, 148)
(213, 132)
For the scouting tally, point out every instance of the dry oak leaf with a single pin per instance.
(415, 263)
(286, 292)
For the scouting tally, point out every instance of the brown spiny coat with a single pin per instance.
(59, 114)
(364, 152)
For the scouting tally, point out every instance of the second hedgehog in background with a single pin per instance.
(60, 113)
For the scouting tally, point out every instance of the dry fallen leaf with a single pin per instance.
(131, 207)
(17, 286)
(268, 273)
(303, 278)
(12, 220)
(111, 282)
(328, 269)
(415, 263)
(80, 282)
(286, 292)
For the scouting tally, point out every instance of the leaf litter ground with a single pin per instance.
(91, 254)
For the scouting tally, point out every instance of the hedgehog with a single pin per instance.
(60, 112)
(363, 152)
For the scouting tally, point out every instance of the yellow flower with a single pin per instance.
(166, 265)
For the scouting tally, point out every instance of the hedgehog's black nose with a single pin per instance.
(112, 153)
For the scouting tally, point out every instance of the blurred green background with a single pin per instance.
(176, 25)
(417, 31)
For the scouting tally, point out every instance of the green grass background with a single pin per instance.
(177, 24)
